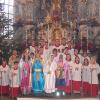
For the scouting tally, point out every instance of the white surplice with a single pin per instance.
(95, 70)
(4, 75)
(14, 78)
(86, 73)
(76, 72)
(70, 63)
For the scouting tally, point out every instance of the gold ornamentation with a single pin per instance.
(60, 73)
(56, 4)
(48, 19)
(56, 34)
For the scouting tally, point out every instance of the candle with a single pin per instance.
(26, 38)
(87, 39)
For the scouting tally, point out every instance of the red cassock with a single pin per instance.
(85, 79)
(69, 86)
(4, 89)
(14, 91)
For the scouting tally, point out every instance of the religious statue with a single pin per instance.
(37, 75)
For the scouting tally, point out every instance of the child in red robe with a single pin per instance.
(85, 76)
(4, 79)
(76, 75)
(14, 80)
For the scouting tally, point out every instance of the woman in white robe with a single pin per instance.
(49, 72)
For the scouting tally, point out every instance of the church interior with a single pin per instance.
(51, 47)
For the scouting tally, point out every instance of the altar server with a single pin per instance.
(85, 76)
(4, 77)
(46, 52)
(55, 53)
(76, 75)
(85, 55)
(76, 53)
(95, 69)
(13, 58)
(14, 77)
(70, 62)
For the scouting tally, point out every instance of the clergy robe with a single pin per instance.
(14, 77)
(69, 86)
(4, 79)
(76, 77)
(85, 79)
(93, 81)
(46, 54)
(37, 77)
(49, 72)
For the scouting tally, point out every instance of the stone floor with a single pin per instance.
(5, 98)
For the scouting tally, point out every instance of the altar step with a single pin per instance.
(57, 99)
(53, 97)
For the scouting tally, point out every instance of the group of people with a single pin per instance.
(48, 68)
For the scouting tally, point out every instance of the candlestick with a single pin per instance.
(87, 40)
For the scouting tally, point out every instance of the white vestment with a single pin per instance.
(70, 63)
(45, 54)
(50, 77)
(86, 73)
(14, 78)
(76, 72)
(4, 75)
(95, 69)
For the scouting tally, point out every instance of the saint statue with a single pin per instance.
(37, 75)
